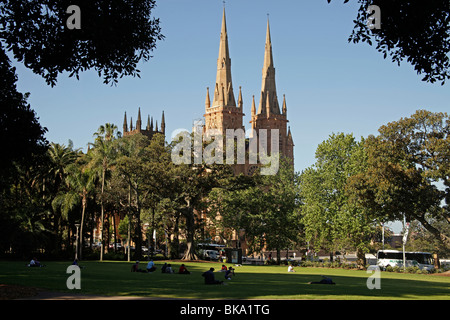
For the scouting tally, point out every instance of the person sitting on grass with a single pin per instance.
(183, 270)
(151, 266)
(224, 268)
(168, 269)
(135, 267)
(291, 268)
(229, 273)
(209, 277)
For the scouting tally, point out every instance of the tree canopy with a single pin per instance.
(113, 37)
(415, 31)
(21, 135)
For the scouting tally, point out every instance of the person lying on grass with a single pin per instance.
(325, 280)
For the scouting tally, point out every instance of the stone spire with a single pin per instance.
(125, 124)
(207, 101)
(223, 93)
(139, 121)
(163, 124)
(269, 99)
(240, 100)
(253, 106)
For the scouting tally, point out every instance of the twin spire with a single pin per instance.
(223, 91)
(268, 104)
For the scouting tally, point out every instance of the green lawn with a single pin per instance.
(250, 282)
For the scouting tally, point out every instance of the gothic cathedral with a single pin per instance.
(223, 113)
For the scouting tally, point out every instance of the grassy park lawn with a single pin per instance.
(251, 282)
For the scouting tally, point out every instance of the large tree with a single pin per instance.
(21, 135)
(103, 156)
(408, 171)
(131, 166)
(330, 220)
(263, 209)
(113, 36)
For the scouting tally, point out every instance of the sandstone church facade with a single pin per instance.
(222, 112)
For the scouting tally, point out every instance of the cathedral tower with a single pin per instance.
(223, 113)
(269, 115)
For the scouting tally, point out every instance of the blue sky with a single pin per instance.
(330, 85)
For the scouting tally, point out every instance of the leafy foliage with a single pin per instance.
(405, 163)
(331, 221)
(266, 207)
(20, 132)
(114, 36)
(415, 31)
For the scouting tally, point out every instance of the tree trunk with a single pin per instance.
(84, 204)
(129, 222)
(102, 219)
(361, 258)
(115, 231)
(129, 240)
(138, 245)
(190, 230)
(175, 245)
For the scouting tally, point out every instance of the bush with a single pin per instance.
(270, 262)
(335, 264)
(397, 269)
(306, 263)
(412, 269)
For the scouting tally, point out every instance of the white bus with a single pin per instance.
(210, 250)
(392, 258)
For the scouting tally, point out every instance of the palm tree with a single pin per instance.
(60, 158)
(81, 183)
(103, 156)
(108, 132)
